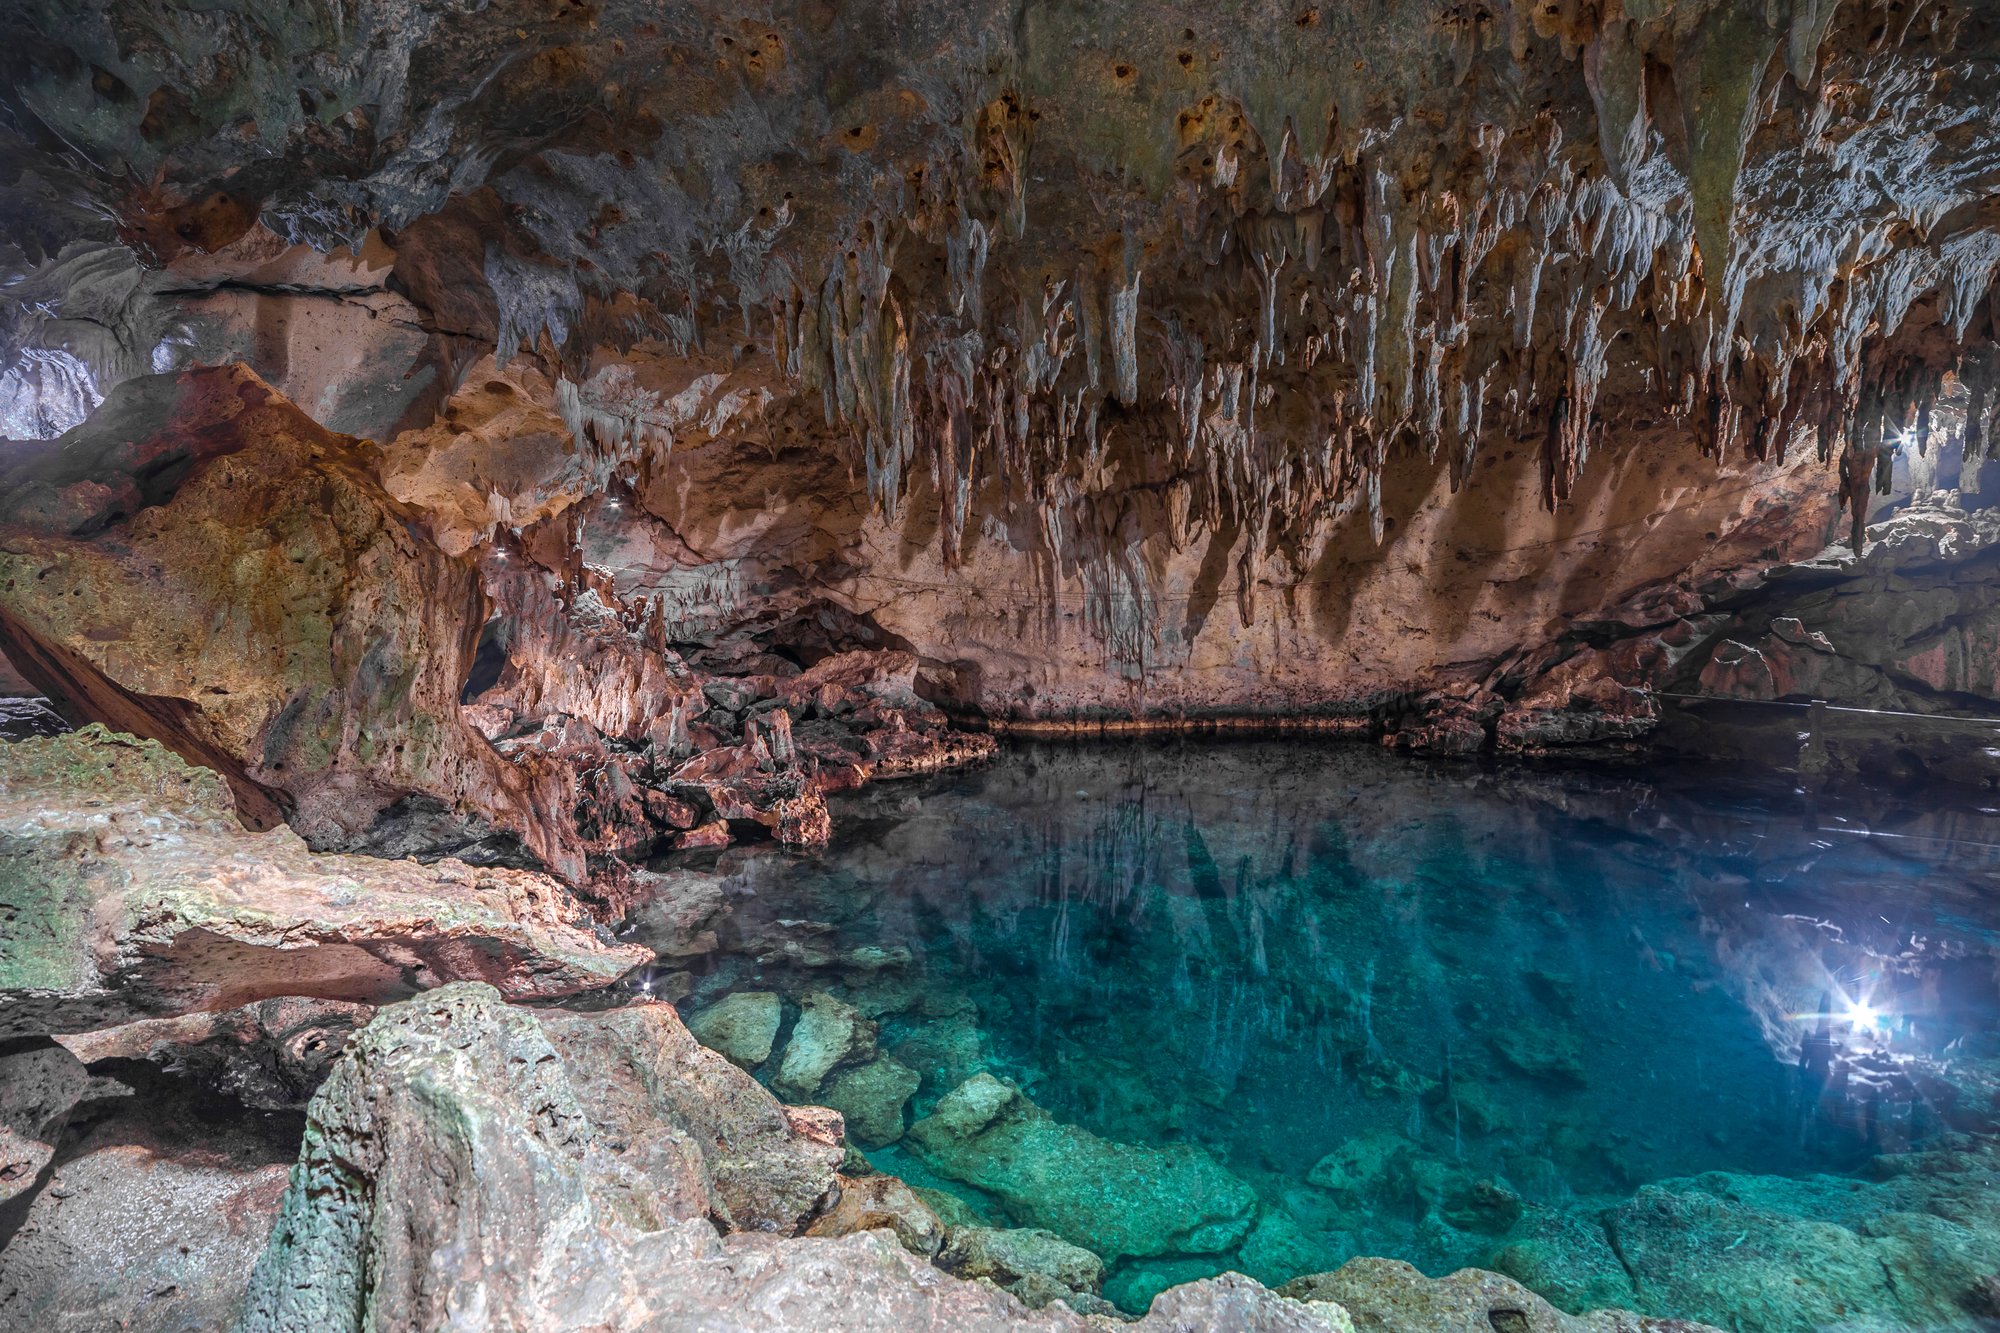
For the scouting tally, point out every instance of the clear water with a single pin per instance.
(1535, 993)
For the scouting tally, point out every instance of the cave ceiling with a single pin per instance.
(1069, 265)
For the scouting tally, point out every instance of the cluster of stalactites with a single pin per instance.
(1265, 363)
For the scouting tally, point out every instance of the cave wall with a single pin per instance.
(1125, 361)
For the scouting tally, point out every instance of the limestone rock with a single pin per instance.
(39, 1083)
(131, 1237)
(742, 1026)
(872, 1097)
(1115, 1199)
(270, 1056)
(1007, 1254)
(204, 565)
(571, 1137)
(148, 898)
(877, 1201)
(830, 1032)
(1394, 1297)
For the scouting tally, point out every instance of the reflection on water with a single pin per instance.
(1420, 1010)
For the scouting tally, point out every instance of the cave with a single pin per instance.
(1298, 668)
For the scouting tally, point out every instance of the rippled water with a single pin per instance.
(1510, 999)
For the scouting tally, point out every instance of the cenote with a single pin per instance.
(1266, 1006)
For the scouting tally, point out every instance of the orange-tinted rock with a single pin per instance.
(203, 565)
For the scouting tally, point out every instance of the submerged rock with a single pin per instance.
(136, 893)
(830, 1032)
(1390, 1296)
(1771, 1255)
(1115, 1199)
(742, 1027)
(872, 1097)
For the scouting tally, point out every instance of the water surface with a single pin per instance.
(1432, 1012)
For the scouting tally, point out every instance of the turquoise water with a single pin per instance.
(1436, 1013)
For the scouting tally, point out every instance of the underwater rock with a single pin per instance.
(150, 899)
(879, 1201)
(872, 1097)
(270, 1056)
(134, 1238)
(829, 1033)
(1539, 1052)
(1394, 1297)
(741, 1026)
(1765, 1254)
(1115, 1199)
(1367, 1169)
(1008, 1254)
(1278, 1249)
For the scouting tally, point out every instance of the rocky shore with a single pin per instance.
(303, 1147)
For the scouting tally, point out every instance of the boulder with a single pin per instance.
(1115, 1199)
(829, 1033)
(1007, 1254)
(1389, 1296)
(148, 898)
(872, 1097)
(741, 1027)
(535, 1146)
(874, 1202)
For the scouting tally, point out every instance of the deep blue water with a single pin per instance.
(1565, 984)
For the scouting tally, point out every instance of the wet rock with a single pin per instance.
(1008, 1254)
(1394, 1297)
(829, 1033)
(1539, 1053)
(1279, 1249)
(870, 1202)
(150, 899)
(742, 1026)
(1367, 1170)
(872, 1097)
(270, 1056)
(1115, 1199)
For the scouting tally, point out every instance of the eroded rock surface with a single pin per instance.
(135, 892)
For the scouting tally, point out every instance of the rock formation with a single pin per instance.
(1161, 364)
(134, 892)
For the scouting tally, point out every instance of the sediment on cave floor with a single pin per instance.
(1253, 666)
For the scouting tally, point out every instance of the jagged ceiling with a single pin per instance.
(1072, 267)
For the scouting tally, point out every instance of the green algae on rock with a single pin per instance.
(1115, 1199)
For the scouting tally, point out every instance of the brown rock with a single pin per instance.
(203, 565)
(150, 899)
